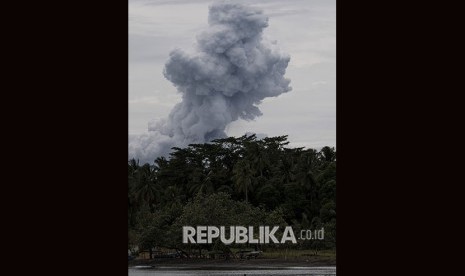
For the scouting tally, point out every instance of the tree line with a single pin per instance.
(232, 181)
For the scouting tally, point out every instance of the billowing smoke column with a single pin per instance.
(232, 70)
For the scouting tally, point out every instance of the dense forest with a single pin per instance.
(232, 181)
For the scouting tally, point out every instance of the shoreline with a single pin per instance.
(235, 264)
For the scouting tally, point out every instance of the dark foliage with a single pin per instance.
(296, 186)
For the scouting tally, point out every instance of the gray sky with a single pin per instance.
(305, 29)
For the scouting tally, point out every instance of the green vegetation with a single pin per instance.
(301, 254)
(234, 181)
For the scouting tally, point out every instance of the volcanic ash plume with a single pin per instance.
(230, 72)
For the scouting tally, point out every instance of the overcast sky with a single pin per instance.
(305, 29)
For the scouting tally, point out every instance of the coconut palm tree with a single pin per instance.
(242, 177)
(146, 188)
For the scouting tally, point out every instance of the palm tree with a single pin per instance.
(242, 176)
(198, 184)
(174, 195)
(307, 164)
(146, 189)
(257, 153)
(286, 168)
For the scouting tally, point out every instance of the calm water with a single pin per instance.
(314, 271)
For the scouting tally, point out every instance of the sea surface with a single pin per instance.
(313, 271)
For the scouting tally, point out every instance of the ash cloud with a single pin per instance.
(228, 74)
